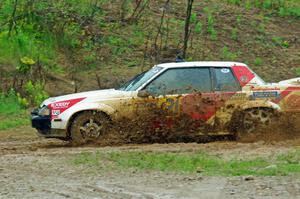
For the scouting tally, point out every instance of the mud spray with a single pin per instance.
(285, 126)
(155, 125)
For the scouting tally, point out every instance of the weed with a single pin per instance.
(261, 28)
(198, 27)
(298, 71)
(210, 27)
(258, 61)
(234, 34)
(238, 20)
(279, 41)
(235, 2)
(248, 5)
(227, 54)
(289, 11)
(285, 44)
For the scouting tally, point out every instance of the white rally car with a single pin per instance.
(227, 96)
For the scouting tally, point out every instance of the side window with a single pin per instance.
(225, 80)
(181, 81)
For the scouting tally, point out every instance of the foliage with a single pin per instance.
(77, 37)
(35, 93)
(283, 8)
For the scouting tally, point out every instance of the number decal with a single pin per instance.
(172, 105)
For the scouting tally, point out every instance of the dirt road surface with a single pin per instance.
(32, 167)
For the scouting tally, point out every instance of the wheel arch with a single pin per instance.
(107, 111)
(260, 104)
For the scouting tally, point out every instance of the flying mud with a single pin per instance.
(149, 128)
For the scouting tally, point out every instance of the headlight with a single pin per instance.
(44, 111)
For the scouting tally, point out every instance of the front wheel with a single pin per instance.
(87, 127)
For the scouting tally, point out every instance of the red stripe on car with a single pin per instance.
(284, 93)
(58, 108)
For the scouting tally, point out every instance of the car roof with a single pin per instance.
(201, 64)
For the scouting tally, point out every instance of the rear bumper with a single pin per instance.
(43, 125)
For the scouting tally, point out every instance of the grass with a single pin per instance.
(11, 112)
(200, 162)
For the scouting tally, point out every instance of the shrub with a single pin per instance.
(35, 93)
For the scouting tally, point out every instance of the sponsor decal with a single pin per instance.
(266, 89)
(239, 96)
(59, 107)
(225, 70)
(265, 94)
(55, 112)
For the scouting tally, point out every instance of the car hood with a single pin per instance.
(98, 94)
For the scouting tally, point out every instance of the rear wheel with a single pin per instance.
(87, 127)
(252, 119)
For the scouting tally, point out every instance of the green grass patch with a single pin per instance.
(13, 122)
(206, 164)
(12, 114)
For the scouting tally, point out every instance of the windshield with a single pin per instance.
(140, 79)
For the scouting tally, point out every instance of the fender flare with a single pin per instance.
(261, 104)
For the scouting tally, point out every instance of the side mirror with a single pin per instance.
(143, 93)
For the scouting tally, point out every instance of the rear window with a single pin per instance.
(225, 80)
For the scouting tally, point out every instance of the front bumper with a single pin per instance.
(41, 123)
(43, 126)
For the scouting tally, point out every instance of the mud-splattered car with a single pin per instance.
(207, 97)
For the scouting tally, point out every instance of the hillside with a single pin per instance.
(70, 46)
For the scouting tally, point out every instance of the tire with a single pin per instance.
(87, 127)
(255, 118)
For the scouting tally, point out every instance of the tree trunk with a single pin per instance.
(187, 27)
(13, 20)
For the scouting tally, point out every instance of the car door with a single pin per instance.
(228, 96)
(182, 96)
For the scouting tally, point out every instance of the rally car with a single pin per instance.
(226, 96)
